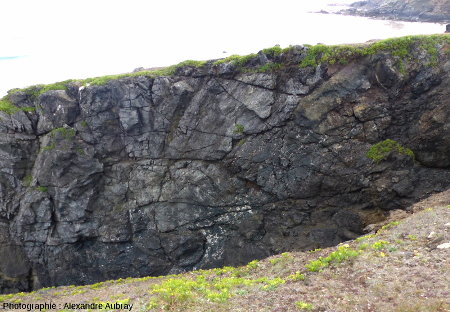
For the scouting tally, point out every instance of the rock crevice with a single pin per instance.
(150, 176)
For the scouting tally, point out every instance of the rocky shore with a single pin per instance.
(435, 11)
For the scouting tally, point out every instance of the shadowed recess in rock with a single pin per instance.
(218, 163)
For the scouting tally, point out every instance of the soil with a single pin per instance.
(410, 271)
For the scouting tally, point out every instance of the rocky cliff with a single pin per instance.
(218, 162)
(436, 11)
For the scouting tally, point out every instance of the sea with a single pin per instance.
(118, 39)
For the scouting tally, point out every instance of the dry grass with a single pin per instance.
(399, 268)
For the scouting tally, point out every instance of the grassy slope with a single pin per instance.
(398, 268)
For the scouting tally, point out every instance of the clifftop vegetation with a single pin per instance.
(401, 48)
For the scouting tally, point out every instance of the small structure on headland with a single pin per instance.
(447, 28)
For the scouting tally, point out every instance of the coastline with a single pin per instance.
(396, 11)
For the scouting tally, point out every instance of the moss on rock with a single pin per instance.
(382, 149)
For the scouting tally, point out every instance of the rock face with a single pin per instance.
(437, 11)
(213, 165)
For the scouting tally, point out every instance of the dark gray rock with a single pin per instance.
(213, 166)
(436, 11)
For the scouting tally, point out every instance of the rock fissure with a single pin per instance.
(152, 176)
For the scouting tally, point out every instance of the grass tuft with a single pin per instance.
(238, 129)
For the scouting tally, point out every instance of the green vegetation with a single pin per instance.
(379, 245)
(27, 180)
(244, 288)
(304, 306)
(253, 264)
(191, 63)
(274, 51)
(326, 54)
(213, 286)
(401, 48)
(42, 189)
(388, 226)
(166, 71)
(35, 91)
(4, 298)
(241, 142)
(237, 60)
(61, 134)
(238, 129)
(241, 60)
(48, 147)
(106, 304)
(361, 238)
(284, 257)
(382, 149)
(398, 47)
(342, 253)
(80, 151)
(181, 291)
(297, 276)
(97, 285)
(7, 107)
(65, 133)
(269, 67)
(363, 246)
